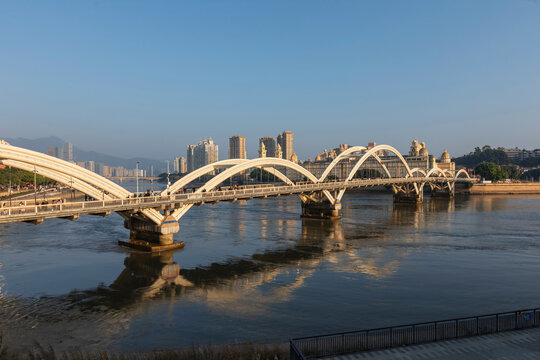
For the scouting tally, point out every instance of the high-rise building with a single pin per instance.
(100, 168)
(90, 165)
(179, 165)
(285, 139)
(190, 157)
(237, 147)
(269, 145)
(204, 153)
(52, 151)
(67, 152)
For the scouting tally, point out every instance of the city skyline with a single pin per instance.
(387, 72)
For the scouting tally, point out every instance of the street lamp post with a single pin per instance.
(137, 175)
(10, 186)
(168, 174)
(35, 186)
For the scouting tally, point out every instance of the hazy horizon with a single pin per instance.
(139, 79)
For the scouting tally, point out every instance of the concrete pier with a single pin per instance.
(444, 193)
(321, 210)
(410, 197)
(147, 236)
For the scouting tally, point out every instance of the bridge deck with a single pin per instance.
(39, 212)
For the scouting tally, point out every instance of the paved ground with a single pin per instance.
(519, 344)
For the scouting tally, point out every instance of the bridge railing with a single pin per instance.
(411, 334)
(23, 208)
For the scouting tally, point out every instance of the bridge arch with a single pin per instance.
(46, 162)
(338, 158)
(75, 183)
(247, 164)
(373, 153)
(192, 176)
(462, 171)
(417, 171)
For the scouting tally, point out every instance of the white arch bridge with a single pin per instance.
(153, 220)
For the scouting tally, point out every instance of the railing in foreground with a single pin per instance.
(411, 334)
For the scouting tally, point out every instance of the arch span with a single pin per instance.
(46, 162)
(338, 158)
(462, 171)
(373, 153)
(418, 171)
(59, 177)
(192, 176)
(245, 165)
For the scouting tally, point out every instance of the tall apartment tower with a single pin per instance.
(179, 165)
(52, 151)
(285, 139)
(190, 156)
(269, 145)
(67, 152)
(237, 147)
(204, 153)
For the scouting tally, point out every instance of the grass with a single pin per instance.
(246, 351)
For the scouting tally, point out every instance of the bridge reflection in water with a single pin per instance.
(243, 287)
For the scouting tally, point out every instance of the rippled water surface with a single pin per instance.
(256, 271)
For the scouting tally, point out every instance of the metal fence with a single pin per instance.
(411, 334)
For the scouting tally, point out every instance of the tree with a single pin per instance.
(530, 162)
(490, 171)
(256, 175)
(368, 173)
(512, 172)
(531, 174)
(20, 176)
(486, 154)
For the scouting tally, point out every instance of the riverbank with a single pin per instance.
(505, 189)
(247, 351)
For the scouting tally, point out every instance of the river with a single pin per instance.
(256, 271)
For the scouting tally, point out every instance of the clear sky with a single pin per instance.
(147, 78)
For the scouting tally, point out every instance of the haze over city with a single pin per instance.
(136, 79)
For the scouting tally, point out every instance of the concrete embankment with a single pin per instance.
(505, 189)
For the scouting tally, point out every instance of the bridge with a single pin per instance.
(121, 178)
(153, 220)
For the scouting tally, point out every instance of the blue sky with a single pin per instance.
(136, 78)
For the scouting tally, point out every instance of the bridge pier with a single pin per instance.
(442, 193)
(409, 197)
(148, 236)
(323, 209)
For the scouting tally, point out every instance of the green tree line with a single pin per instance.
(18, 177)
(484, 155)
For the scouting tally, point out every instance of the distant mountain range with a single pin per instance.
(41, 145)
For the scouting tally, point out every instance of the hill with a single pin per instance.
(41, 145)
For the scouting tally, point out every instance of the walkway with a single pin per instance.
(518, 344)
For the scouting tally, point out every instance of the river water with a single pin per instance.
(255, 271)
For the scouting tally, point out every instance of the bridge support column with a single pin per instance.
(148, 236)
(321, 209)
(409, 197)
(442, 193)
